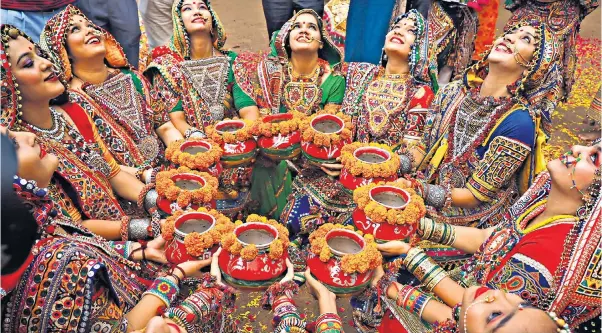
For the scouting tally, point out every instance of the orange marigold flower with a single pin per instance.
(249, 252)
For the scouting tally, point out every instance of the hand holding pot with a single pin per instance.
(215, 271)
(154, 251)
(393, 248)
(290, 273)
(326, 298)
(193, 268)
(332, 169)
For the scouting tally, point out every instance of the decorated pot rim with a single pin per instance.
(193, 143)
(330, 117)
(272, 117)
(343, 232)
(229, 122)
(187, 215)
(387, 188)
(249, 225)
(375, 150)
(189, 176)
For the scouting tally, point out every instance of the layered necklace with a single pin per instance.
(87, 152)
(301, 91)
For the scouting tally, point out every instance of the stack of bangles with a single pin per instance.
(165, 289)
(440, 233)
(190, 311)
(407, 160)
(329, 323)
(424, 268)
(437, 196)
(286, 318)
(412, 300)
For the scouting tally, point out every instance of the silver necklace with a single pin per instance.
(57, 130)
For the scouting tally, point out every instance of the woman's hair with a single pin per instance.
(19, 229)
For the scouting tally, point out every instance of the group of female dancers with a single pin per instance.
(511, 242)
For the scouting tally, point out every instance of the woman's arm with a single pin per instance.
(249, 113)
(168, 133)
(110, 230)
(127, 186)
(419, 303)
(178, 119)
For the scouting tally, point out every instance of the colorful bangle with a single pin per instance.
(164, 289)
(142, 195)
(154, 229)
(434, 281)
(456, 311)
(125, 227)
(423, 304)
(328, 323)
(178, 316)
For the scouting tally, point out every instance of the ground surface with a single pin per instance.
(245, 25)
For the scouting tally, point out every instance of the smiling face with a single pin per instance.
(84, 40)
(516, 46)
(34, 162)
(305, 35)
(33, 73)
(399, 41)
(580, 165)
(196, 17)
(494, 311)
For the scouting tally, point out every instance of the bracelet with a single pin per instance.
(422, 304)
(174, 326)
(174, 267)
(164, 289)
(178, 316)
(456, 312)
(195, 304)
(178, 280)
(138, 228)
(142, 195)
(328, 322)
(124, 230)
(140, 172)
(435, 195)
(441, 233)
(141, 248)
(403, 294)
(194, 132)
(406, 160)
(437, 277)
(154, 229)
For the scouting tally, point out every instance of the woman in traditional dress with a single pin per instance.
(387, 104)
(99, 74)
(87, 179)
(545, 250)
(300, 74)
(482, 142)
(193, 74)
(74, 280)
(193, 79)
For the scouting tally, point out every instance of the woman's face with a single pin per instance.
(84, 40)
(579, 165)
(516, 45)
(305, 35)
(400, 39)
(196, 17)
(494, 311)
(34, 162)
(33, 73)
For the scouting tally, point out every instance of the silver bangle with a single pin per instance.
(194, 133)
(138, 229)
(435, 195)
(406, 164)
(150, 200)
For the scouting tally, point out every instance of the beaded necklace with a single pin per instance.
(301, 91)
(387, 95)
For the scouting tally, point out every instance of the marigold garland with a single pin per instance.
(368, 258)
(167, 188)
(240, 135)
(359, 168)
(196, 243)
(309, 134)
(284, 127)
(198, 161)
(410, 214)
(249, 252)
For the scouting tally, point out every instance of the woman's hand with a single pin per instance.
(192, 268)
(215, 271)
(404, 182)
(332, 169)
(379, 272)
(393, 248)
(155, 250)
(290, 272)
